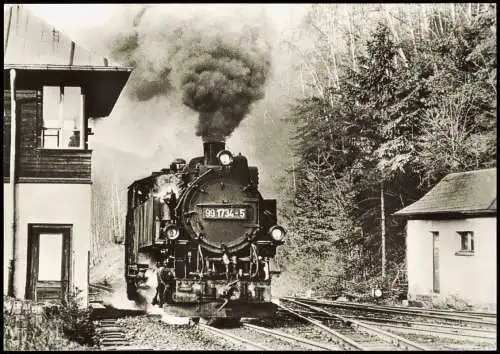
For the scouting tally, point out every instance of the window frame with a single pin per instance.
(470, 251)
(82, 122)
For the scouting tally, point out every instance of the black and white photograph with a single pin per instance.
(250, 177)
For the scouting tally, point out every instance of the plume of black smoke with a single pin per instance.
(221, 79)
(219, 63)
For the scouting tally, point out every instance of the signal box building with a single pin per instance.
(52, 86)
(451, 239)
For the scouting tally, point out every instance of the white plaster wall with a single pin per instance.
(469, 277)
(55, 203)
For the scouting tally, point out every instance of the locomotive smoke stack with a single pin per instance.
(211, 147)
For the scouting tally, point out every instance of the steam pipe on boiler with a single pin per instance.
(12, 182)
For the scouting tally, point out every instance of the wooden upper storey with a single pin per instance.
(39, 156)
(58, 85)
(52, 112)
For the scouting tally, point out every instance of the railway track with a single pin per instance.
(407, 309)
(105, 288)
(96, 292)
(351, 329)
(233, 338)
(266, 339)
(436, 332)
(290, 339)
(486, 317)
(450, 330)
(111, 336)
(351, 334)
(386, 312)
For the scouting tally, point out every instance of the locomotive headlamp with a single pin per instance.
(172, 232)
(225, 157)
(277, 233)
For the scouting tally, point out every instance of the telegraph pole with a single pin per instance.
(382, 221)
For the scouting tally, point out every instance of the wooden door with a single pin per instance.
(435, 262)
(49, 262)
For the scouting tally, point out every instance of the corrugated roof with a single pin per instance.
(472, 192)
(30, 40)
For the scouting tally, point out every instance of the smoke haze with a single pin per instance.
(219, 60)
(151, 120)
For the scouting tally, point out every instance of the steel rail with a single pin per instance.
(232, 337)
(288, 337)
(413, 309)
(483, 330)
(343, 340)
(381, 308)
(437, 332)
(384, 335)
(422, 324)
(400, 311)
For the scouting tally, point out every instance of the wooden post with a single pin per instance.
(382, 221)
(60, 141)
(83, 130)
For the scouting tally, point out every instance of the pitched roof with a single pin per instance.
(472, 192)
(42, 55)
(29, 40)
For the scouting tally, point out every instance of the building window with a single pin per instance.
(62, 118)
(466, 243)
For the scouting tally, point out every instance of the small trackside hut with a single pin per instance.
(451, 239)
(52, 86)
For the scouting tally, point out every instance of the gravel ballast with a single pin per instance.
(150, 331)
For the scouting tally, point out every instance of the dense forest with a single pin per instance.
(383, 119)
(376, 104)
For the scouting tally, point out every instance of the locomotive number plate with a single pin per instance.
(225, 213)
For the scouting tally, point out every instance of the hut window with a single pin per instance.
(62, 117)
(466, 242)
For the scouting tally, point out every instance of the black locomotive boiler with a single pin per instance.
(207, 224)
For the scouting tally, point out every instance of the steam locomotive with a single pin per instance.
(207, 223)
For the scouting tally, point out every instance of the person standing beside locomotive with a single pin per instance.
(164, 287)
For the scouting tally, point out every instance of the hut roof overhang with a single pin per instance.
(458, 195)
